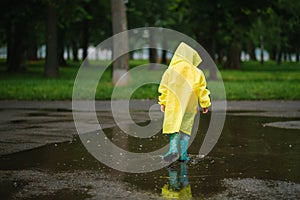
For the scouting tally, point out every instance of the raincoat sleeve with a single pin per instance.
(162, 89)
(203, 93)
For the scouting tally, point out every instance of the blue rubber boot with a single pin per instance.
(173, 179)
(184, 179)
(184, 144)
(172, 154)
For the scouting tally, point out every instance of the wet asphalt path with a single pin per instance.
(31, 129)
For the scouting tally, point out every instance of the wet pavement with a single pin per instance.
(42, 157)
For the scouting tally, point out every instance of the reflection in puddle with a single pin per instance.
(178, 185)
(249, 161)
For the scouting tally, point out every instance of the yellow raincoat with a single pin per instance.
(183, 85)
(184, 193)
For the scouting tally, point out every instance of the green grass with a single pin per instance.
(252, 82)
(260, 82)
(32, 85)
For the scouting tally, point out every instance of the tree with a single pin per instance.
(86, 34)
(120, 44)
(15, 25)
(71, 17)
(287, 13)
(151, 13)
(51, 64)
(209, 28)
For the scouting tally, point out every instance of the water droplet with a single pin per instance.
(290, 146)
(201, 156)
(88, 141)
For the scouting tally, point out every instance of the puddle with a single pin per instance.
(250, 161)
(285, 124)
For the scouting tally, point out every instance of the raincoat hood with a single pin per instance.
(186, 53)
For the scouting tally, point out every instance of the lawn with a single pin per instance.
(253, 82)
(260, 82)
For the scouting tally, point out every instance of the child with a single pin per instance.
(183, 85)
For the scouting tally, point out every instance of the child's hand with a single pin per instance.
(162, 108)
(204, 110)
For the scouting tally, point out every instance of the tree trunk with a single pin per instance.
(152, 52)
(212, 50)
(273, 54)
(61, 58)
(32, 53)
(51, 64)
(233, 58)
(262, 50)
(251, 52)
(285, 57)
(220, 56)
(85, 37)
(131, 55)
(120, 44)
(68, 52)
(164, 52)
(75, 50)
(15, 47)
(164, 57)
(261, 56)
(85, 41)
(152, 55)
(61, 48)
(279, 57)
(290, 56)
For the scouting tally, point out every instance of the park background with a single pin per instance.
(43, 43)
(255, 44)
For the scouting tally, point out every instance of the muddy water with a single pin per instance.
(250, 161)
